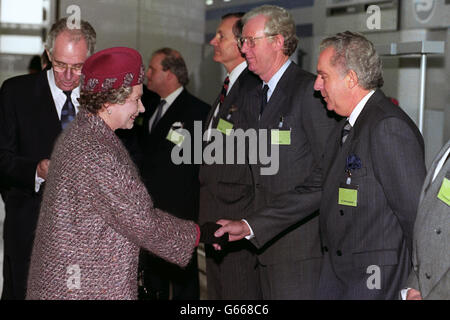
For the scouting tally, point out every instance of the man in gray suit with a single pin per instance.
(430, 278)
(367, 185)
(226, 190)
(285, 106)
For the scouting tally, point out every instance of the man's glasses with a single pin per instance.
(250, 40)
(62, 67)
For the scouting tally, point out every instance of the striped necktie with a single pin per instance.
(345, 131)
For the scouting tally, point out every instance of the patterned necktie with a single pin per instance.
(345, 131)
(223, 93)
(158, 113)
(68, 111)
(264, 98)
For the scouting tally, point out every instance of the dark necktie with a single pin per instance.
(68, 111)
(345, 131)
(158, 113)
(264, 98)
(223, 94)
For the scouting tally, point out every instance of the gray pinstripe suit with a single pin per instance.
(431, 246)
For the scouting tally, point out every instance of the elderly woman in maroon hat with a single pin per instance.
(96, 212)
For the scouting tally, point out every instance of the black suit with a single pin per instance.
(29, 126)
(372, 240)
(226, 191)
(173, 188)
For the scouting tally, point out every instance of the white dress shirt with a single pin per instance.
(59, 99)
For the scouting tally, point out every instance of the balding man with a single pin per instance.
(33, 111)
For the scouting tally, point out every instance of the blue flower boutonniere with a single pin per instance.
(353, 163)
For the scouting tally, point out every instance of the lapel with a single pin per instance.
(277, 100)
(427, 184)
(172, 115)
(44, 109)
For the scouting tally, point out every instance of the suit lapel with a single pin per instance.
(277, 100)
(171, 115)
(433, 167)
(44, 110)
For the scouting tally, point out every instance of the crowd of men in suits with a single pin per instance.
(336, 221)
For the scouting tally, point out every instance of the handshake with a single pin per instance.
(220, 233)
(207, 236)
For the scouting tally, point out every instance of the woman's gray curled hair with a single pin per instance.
(355, 52)
(279, 21)
(94, 101)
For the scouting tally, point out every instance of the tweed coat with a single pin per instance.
(95, 215)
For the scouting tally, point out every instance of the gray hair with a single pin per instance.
(174, 62)
(86, 31)
(355, 52)
(279, 21)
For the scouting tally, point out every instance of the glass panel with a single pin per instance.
(21, 11)
(21, 44)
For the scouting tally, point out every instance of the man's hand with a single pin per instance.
(413, 294)
(237, 229)
(42, 168)
(207, 235)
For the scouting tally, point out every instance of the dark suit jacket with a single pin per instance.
(309, 123)
(29, 126)
(431, 246)
(174, 188)
(378, 232)
(226, 190)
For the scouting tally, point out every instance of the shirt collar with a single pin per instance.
(276, 78)
(235, 73)
(359, 107)
(171, 97)
(59, 98)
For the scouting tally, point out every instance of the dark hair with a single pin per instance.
(94, 101)
(174, 62)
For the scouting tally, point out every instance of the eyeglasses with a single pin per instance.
(251, 40)
(62, 67)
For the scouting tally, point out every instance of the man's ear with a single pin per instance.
(278, 41)
(351, 79)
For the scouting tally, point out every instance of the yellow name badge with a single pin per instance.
(444, 192)
(281, 137)
(175, 137)
(348, 196)
(225, 127)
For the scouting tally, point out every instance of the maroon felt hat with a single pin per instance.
(111, 69)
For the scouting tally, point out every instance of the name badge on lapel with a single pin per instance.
(174, 136)
(444, 192)
(348, 195)
(225, 127)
